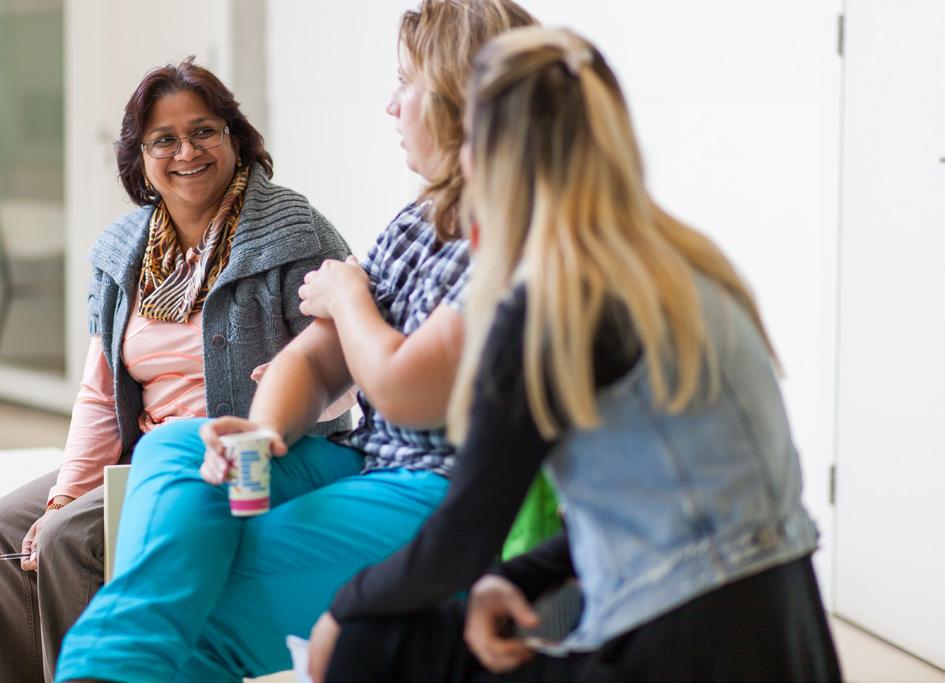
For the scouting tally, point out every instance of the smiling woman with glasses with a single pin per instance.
(191, 295)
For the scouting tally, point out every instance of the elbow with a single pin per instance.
(406, 407)
(403, 412)
(397, 394)
(386, 407)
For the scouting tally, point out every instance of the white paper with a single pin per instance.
(298, 647)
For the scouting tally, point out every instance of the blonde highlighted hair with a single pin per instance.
(439, 39)
(559, 197)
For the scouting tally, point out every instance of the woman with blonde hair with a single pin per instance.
(200, 595)
(619, 348)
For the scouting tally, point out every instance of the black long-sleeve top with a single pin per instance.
(494, 469)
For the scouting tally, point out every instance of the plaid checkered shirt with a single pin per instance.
(410, 273)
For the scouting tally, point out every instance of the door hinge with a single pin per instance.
(832, 486)
(841, 34)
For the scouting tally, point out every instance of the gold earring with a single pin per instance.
(148, 185)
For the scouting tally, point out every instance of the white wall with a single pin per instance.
(331, 68)
(737, 106)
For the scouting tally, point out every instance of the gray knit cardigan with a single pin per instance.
(249, 315)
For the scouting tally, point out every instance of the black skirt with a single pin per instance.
(767, 627)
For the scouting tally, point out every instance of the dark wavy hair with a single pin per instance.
(168, 80)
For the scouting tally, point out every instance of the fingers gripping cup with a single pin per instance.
(248, 477)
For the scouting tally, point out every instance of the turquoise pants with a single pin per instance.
(201, 595)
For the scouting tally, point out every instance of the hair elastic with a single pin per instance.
(577, 58)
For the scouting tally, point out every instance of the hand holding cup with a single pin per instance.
(215, 465)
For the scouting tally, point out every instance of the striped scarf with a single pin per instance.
(173, 285)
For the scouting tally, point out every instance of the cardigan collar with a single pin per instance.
(267, 209)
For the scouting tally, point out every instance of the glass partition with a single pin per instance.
(32, 202)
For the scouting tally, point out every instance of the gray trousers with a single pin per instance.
(37, 608)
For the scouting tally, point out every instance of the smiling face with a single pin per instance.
(406, 105)
(193, 180)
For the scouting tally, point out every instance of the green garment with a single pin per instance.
(537, 520)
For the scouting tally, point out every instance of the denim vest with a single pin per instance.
(662, 508)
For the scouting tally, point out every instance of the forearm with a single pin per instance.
(288, 398)
(369, 343)
(93, 443)
(406, 378)
(297, 386)
(94, 440)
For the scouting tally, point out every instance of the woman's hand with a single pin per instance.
(494, 603)
(31, 542)
(215, 464)
(321, 646)
(330, 286)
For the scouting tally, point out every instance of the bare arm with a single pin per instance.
(301, 382)
(407, 378)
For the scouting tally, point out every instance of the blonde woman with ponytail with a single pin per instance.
(620, 349)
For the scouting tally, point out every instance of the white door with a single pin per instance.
(890, 535)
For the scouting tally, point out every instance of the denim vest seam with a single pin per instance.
(752, 437)
(698, 518)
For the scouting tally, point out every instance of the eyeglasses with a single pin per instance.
(166, 146)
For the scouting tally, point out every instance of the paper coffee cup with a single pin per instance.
(248, 476)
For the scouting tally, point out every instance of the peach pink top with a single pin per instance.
(166, 359)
